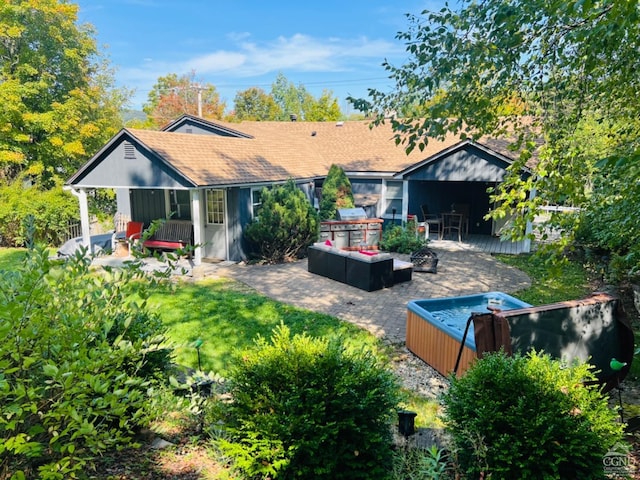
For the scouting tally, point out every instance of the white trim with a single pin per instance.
(405, 200)
(167, 203)
(198, 228)
(81, 194)
(384, 200)
(253, 204)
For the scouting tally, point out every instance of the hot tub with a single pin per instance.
(435, 327)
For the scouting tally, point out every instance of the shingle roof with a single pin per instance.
(215, 160)
(282, 150)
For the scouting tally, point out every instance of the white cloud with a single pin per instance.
(299, 52)
(246, 58)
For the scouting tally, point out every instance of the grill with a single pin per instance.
(352, 214)
(352, 230)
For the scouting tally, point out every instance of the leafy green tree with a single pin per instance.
(290, 99)
(324, 109)
(286, 224)
(336, 193)
(57, 101)
(296, 100)
(52, 210)
(255, 104)
(174, 95)
(532, 69)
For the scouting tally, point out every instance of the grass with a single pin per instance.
(228, 317)
(10, 257)
(549, 282)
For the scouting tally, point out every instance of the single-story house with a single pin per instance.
(211, 173)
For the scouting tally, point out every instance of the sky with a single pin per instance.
(234, 45)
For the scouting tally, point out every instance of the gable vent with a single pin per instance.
(189, 130)
(129, 151)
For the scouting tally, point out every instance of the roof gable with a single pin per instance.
(466, 161)
(190, 124)
(126, 162)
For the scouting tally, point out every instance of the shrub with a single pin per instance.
(51, 209)
(420, 464)
(285, 226)
(77, 356)
(307, 408)
(336, 193)
(529, 418)
(402, 239)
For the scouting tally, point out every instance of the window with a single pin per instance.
(256, 200)
(215, 207)
(180, 204)
(393, 199)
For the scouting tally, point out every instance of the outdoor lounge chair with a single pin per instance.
(132, 233)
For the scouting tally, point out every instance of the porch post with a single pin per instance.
(84, 216)
(197, 225)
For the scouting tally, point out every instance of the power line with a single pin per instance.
(318, 83)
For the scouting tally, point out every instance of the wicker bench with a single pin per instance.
(171, 235)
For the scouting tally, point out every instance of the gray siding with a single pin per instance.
(187, 125)
(198, 130)
(470, 164)
(147, 205)
(130, 167)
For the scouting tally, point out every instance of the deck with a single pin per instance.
(479, 243)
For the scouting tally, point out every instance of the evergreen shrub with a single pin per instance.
(286, 224)
(336, 193)
(529, 417)
(305, 407)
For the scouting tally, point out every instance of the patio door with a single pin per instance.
(215, 231)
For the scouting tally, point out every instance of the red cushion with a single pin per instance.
(162, 244)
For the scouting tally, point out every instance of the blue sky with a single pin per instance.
(234, 45)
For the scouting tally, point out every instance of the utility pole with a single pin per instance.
(198, 88)
(199, 101)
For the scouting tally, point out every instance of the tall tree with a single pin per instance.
(324, 109)
(296, 100)
(174, 95)
(57, 101)
(555, 64)
(255, 104)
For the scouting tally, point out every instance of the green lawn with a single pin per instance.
(10, 258)
(549, 283)
(228, 317)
